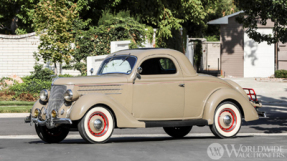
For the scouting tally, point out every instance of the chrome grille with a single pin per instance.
(56, 98)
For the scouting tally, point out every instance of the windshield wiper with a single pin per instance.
(111, 59)
(125, 59)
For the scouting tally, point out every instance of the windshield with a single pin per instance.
(118, 64)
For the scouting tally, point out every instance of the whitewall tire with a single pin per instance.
(227, 120)
(97, 125)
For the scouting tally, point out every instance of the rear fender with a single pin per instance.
(223, 94)
(123, 116)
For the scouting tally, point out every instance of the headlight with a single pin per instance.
(44, 95)
(54, 113)
(36, 112)
(68, 96)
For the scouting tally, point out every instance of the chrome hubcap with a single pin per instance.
(227, 120)
(98, 124)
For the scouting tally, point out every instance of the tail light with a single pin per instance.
(251, 93)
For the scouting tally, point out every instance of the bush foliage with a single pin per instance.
(96, 40)
(281, 73)
(41, 73)
(40, 78)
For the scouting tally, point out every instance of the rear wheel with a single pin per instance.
(54, 135)
(177, 132)
(97, 125)
(227, 120)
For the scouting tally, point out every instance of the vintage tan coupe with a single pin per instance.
(141, 88)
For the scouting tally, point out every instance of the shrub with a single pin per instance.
(281, 73)
(30, 86)
(66, 75)
(3, 84)
(40, 73)
(29, 90)
(212, 38)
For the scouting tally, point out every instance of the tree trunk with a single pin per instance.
(55, 69)
(60, 69)
(14, 21)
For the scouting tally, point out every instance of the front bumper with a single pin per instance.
(49, 123)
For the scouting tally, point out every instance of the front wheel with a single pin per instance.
(54, 135)
(227, 120)
(177, 132)
(97, 125)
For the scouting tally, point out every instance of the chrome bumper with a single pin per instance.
(258, 105)
(261, 113)
(50, 123)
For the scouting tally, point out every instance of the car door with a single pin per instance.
(159, 94)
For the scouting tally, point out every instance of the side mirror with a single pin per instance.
(92, 71)
(139, 70)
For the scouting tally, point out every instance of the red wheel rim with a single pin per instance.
(232, 124)
(105, 121)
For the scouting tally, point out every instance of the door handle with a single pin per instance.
(181, 85)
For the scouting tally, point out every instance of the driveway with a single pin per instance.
(267, 92)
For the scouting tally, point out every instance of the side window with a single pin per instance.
(158, 66)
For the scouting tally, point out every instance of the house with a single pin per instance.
(242, 56)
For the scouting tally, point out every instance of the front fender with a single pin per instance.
(123, 116)
(222, 94)
(38, 105)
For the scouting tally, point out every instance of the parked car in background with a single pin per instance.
(141, 88)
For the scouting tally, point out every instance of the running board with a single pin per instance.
(176, 123)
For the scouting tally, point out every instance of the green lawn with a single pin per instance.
(16, 103)
(15, 109)
(15, 106)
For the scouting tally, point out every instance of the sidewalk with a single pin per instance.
(271, 93)
(14, 115)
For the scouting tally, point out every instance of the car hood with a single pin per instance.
(98, 79)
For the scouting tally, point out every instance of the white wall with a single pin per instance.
(94, 62)
(16, 55)
(119, 45)
(258, 58)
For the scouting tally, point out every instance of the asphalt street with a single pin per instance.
(145, 148)
(18, 141)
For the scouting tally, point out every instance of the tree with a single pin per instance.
(214, 9)
(53, 20)
(258, 12)
(165, 15)
(15, 16)
(96, 40)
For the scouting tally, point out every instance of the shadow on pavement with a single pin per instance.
(276, 121)
(136, 139)
(272, 101)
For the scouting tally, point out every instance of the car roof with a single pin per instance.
(141, 53)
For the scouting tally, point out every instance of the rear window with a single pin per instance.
(157, 66)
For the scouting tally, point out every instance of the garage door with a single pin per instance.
(258, 58)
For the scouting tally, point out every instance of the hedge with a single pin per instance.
(281, 73)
